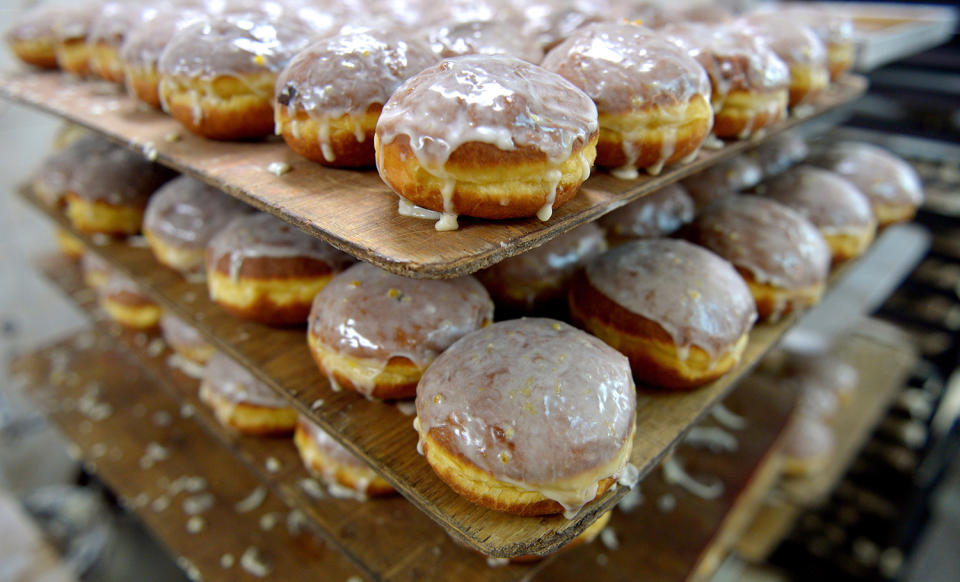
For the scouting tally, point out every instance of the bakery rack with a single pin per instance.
(354, 211)
(381, 433)
(744, 472)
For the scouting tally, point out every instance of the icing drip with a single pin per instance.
(675, 474)
(728, 419)
(407, 208)
(546, 211)
(710, 437)
(448, 220)
(341, 457)
(535, 403)
(696, 297)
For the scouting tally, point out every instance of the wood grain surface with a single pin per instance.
(352, 210)
(383, 435)
(387, 537)
(166, 470)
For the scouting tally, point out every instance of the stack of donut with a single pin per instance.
(490, 110)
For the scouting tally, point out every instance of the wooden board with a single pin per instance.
(883, 357)
(383, 436)
(689, 541)
(388, 537)
(163, 467)
(352, 210)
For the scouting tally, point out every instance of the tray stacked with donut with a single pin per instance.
(500, 151)
(328, 100)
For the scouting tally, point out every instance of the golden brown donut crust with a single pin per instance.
(249, 418)
(645, 343)
(280, 301)
(480, 488)
(73, 56)
(320, 463)
(229, 108)
(398, 378)
(139, 314)
(806, 82)
(105, 62)
(651, 125)
(490, 182)
(774, 303)
(99, 217)
(39, 52)
(144, 84)
(347, 151)
(839, 58)
(743, 111)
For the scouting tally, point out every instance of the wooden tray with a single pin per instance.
(690, 541)
(387, 537)
(382, 435)
(883, 357)
(134, 437)
(352, 210)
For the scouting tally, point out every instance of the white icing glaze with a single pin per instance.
(535, 403)
(695, 296)
(675, 474)
(832, 203)
(186, 212)
(229, 380)
(727, 418)
(711, 437)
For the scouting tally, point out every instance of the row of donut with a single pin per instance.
(487, 135)
(238, 400)
(488, 394)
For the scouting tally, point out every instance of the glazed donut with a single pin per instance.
(182, 217)
(490, 37)
(32, 38)
(656, 215)
(263, 269)
(833, 28)
(69, 245)
(749, 81)
(778, 153)
(70, 28)
(703, 14)
(51, 181)
(489, 136)
(891, 184)
(217, 77)
(780, 254)
(140, 53)
(723, 179)
(125, 304)
(335, 465)
(822, 372)
(95, 270)
(800, 49)
(330, 95)
(808, 446)
(835, 206)
(242, 402)
(529, 416)
(653, 98)
(680, 313)
(375, 332)
(108, 30)
(536, 281)
(549, 22)
(185, 340)
(108, 192)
